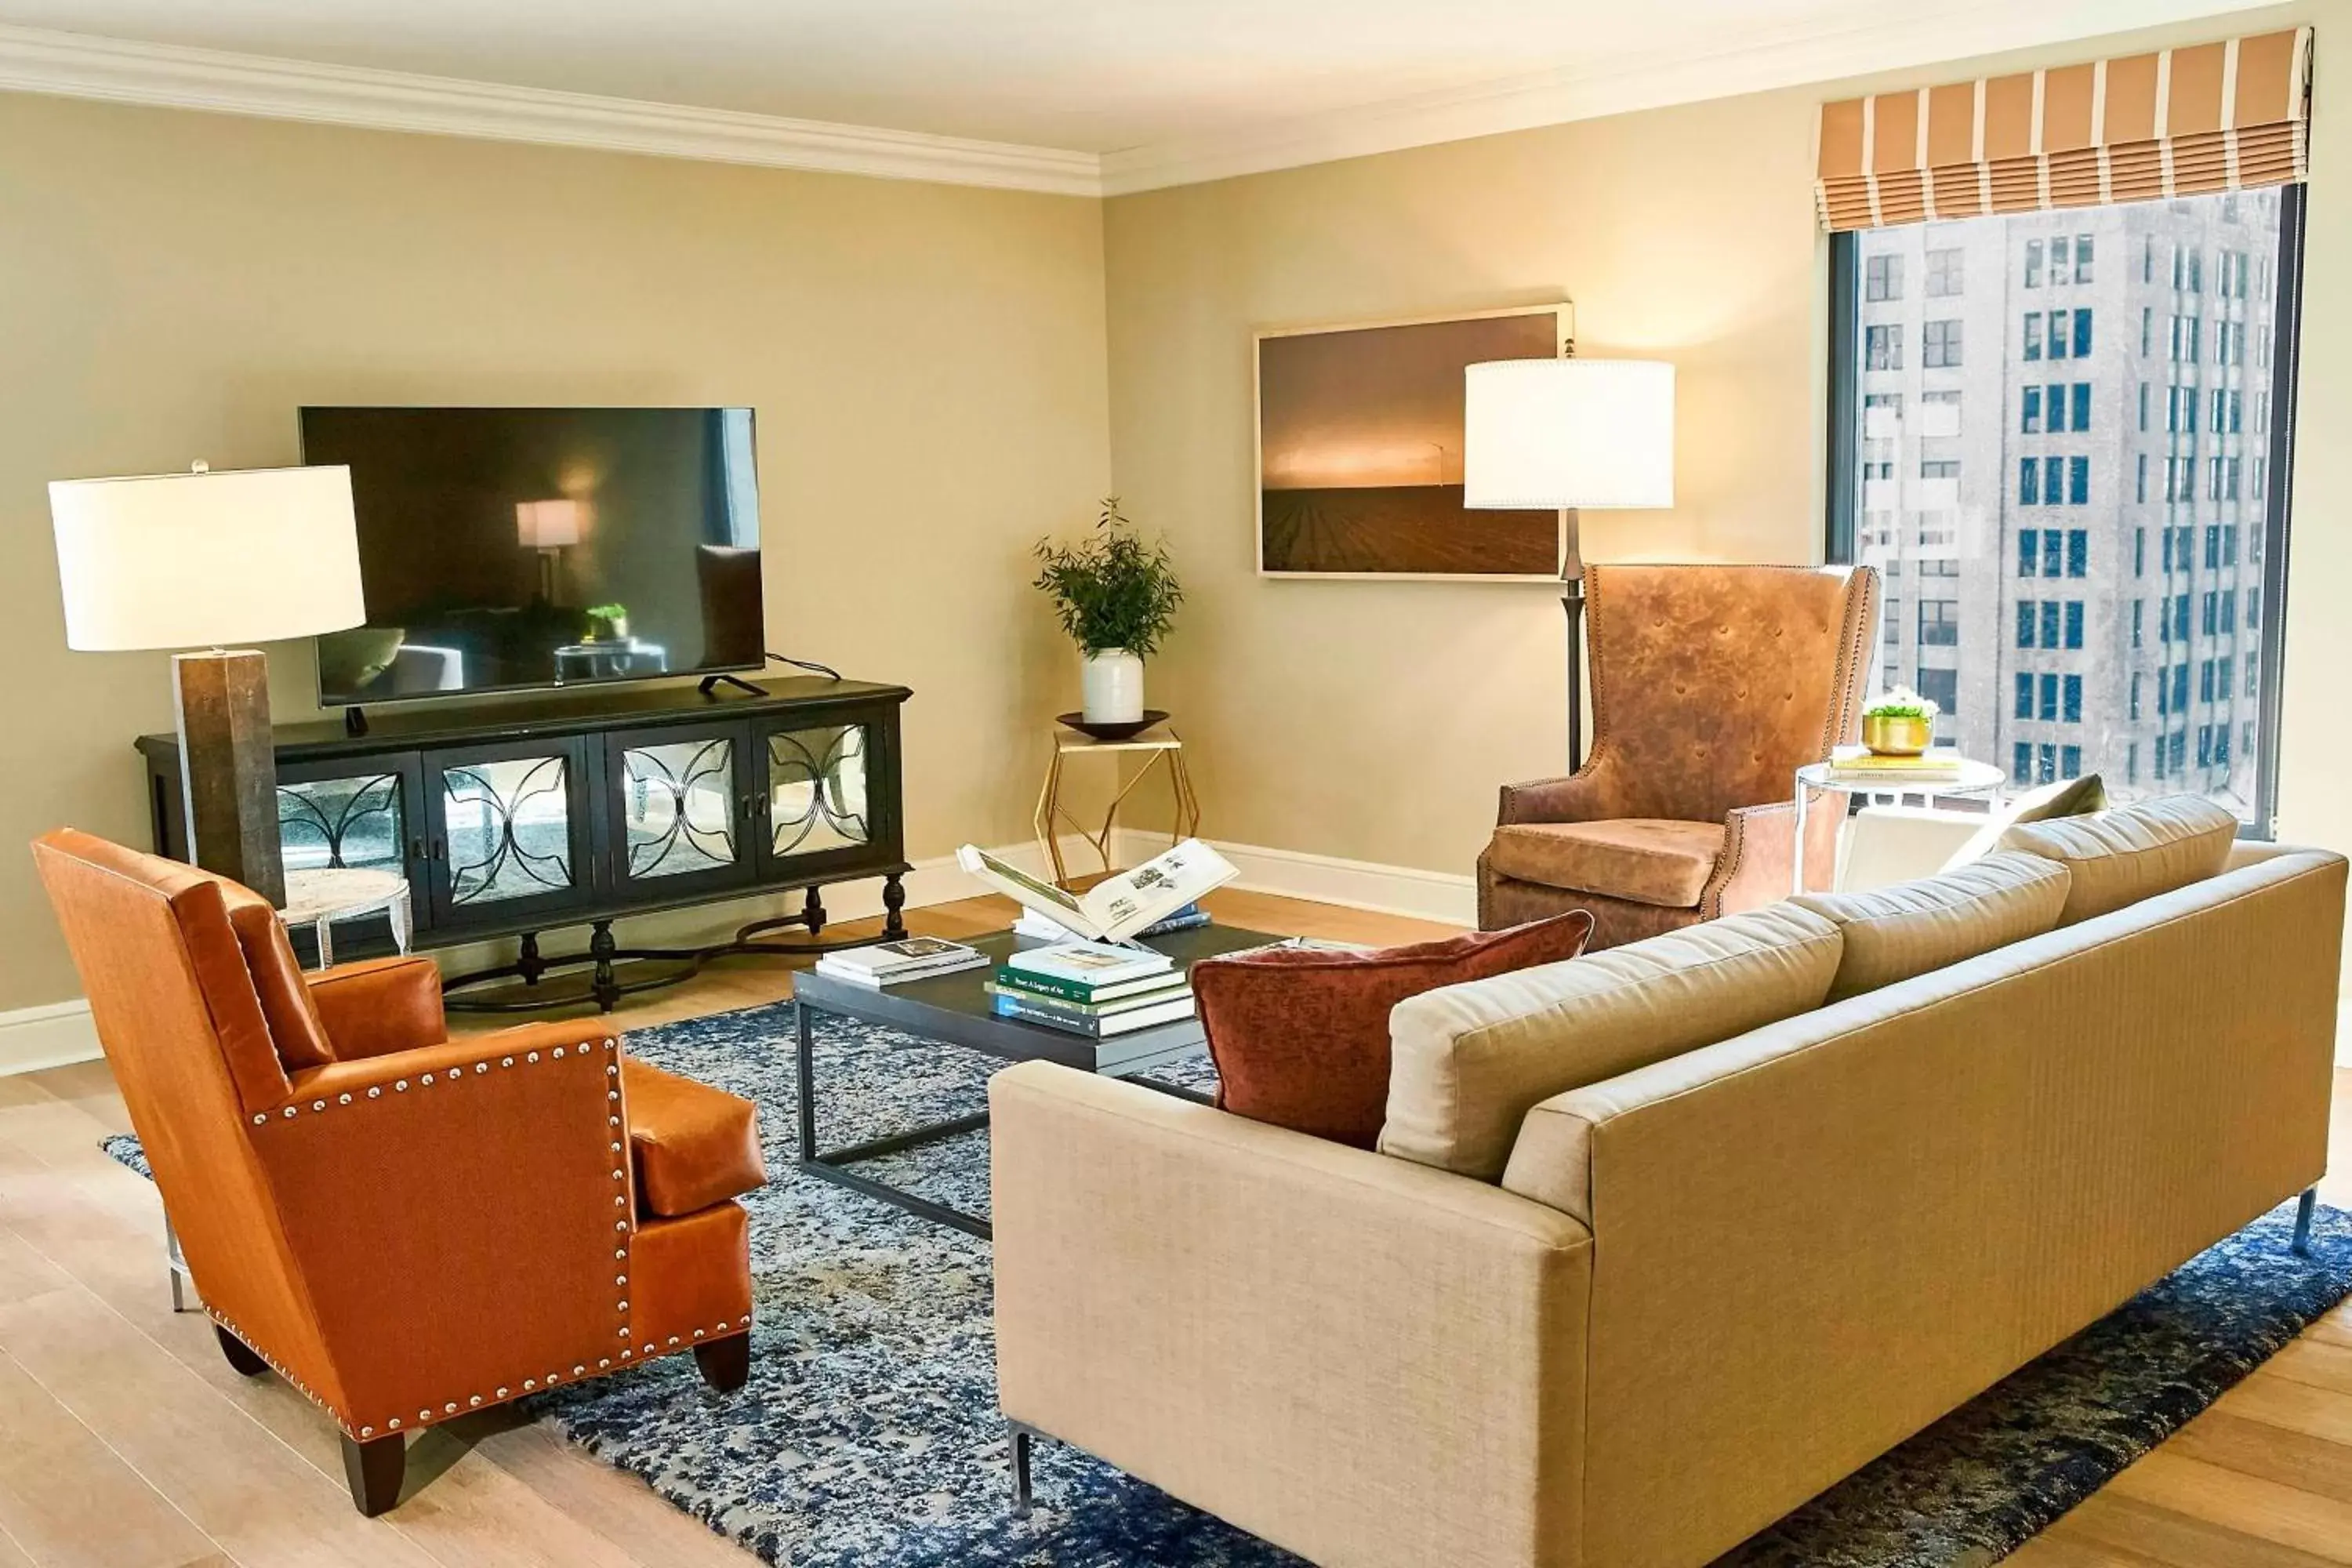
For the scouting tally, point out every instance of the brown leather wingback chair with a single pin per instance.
(407, 1227)
(1711, 686)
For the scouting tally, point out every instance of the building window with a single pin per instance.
(1946, 276)
(2070, 761)
(1941, 687)
(2082, 595)
(1883, 277)
(1939, 344)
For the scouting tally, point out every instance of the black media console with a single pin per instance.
(579, 808)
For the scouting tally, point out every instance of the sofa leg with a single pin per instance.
(726, 1364)
(373, 1469)
(240, 1354)
(2304, 1212)
(1022, 1497)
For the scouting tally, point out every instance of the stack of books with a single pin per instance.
(1858, 765)
(1091, 988)
(1191, 917)
(889, 963)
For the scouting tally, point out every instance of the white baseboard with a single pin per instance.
(50, 1036)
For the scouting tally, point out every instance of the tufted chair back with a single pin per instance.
(1712, 685)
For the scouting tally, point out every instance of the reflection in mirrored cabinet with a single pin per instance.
(817, 789)
(678, 806)
(509, 828)
(334, 824)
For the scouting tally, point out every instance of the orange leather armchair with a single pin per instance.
(404, 1226)
(1711, 686)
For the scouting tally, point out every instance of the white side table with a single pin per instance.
(319, 898)
(1974, 777)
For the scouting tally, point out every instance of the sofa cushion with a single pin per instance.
(1300, 1036)
(2067, 798)
(2120, 857)
(1468, 1060)
(1893, 933)
(1645, 860)
(692, 1144)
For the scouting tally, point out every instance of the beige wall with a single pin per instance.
(1374, 720)
(928, 363)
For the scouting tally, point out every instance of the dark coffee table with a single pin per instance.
(956, 1009)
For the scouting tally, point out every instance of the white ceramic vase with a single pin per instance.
(1113, 687)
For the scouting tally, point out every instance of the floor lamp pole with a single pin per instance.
(1572, 601)
(228, 767)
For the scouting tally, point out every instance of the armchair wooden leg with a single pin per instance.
(373, 1470)
(240, 1354)
(726, 1364)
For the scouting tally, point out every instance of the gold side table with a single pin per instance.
(1160, 744)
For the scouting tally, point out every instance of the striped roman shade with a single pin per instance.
(2186, 121)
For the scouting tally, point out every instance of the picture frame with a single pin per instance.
(1357, 433)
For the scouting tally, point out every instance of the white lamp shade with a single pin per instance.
(1597, 433)
(547, 524)
(198, 560)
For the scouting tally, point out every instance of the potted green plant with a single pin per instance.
(1116, 597)
(1901, 723)
(607, 622)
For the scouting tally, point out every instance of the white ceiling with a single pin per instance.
(1162, 84)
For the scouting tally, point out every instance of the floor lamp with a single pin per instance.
(1572, 433)
(197, 560)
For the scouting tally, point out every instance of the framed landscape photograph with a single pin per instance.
(1360, 449)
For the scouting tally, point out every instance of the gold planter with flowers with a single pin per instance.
(1900, 724)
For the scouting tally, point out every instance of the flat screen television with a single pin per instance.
(511, 548)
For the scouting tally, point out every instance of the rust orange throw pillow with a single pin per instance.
(1300, 1037)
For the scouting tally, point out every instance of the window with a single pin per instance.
(2057, 564)
(1938, 468)
(1939, 344)
(1941, 687)
(1883, 277)
(1945, 276)
(1891, 621)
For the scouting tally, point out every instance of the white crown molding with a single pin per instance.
(74, 65)
(1628, 84)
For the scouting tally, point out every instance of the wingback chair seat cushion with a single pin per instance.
(1641, 859)
(693, 1145)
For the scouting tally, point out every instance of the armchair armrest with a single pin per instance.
(1589, 794)
(459, 1217)
(380, 1006)
(1759, 862)
(1270, 1326)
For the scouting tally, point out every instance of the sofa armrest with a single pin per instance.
(459, 1217)
(1358, 1358)
(380, 1006)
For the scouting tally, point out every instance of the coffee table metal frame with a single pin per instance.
(953, 1010)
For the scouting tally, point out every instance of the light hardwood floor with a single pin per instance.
(127, 1442)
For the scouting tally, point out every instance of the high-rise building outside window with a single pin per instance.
(2062, 453)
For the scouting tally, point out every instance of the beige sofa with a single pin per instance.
(1662, 1242)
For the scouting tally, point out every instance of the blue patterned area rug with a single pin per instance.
(868, 1438)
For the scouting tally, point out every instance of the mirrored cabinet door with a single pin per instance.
(683, 814)
(815, 790)
(509, 830)
(358, 820)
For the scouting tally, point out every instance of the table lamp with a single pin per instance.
(197, 560)
(1568, 432)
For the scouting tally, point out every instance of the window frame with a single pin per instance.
(1844, 441)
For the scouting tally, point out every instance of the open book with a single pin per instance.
(1120, 904)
